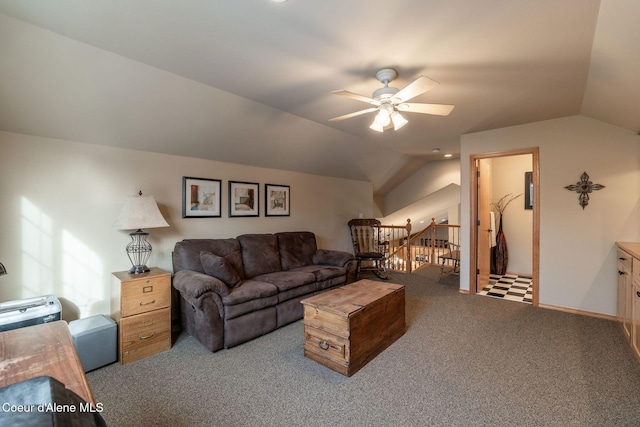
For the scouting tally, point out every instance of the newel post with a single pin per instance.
(408, 227)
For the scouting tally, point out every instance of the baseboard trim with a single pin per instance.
(576, 311)
(464, 291)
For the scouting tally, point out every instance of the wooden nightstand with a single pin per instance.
(141, 305)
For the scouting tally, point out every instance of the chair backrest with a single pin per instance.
(365, 235)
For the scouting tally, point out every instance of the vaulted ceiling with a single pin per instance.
(250, 81)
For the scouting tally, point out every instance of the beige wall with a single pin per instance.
(577, 247)
(60, 199)
(517, 225)
(427, 180)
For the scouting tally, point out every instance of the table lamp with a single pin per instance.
(139, 212)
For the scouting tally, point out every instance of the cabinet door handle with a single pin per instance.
(147, 303)
(144, 337)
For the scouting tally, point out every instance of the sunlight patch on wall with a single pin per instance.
(37, 251)
(81, 274)
(56, 262)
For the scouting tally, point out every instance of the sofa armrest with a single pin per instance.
(332, 257)
(193, 284)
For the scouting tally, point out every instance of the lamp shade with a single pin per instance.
(140, 212)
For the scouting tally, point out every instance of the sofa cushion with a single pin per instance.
(260, 254)
(186, 254)
(249, 290)
(285, 280)
(323, 272)
(219, 268)
(331, 283)
(296, 248)
(237, 310)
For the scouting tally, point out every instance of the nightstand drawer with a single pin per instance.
(145, 334)
(146, 294)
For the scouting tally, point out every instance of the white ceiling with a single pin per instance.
(250, 81)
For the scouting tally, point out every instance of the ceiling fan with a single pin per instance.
(390, 101)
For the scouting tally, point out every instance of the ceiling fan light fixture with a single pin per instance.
(375, 126)
(398, 120)
(382, 118)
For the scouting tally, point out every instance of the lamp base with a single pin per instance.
(139, 269)
(139, 251)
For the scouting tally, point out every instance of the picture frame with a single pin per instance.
(201, 197)
(528, 190)
(277, 200)
(244, 199)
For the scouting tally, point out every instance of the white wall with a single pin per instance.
(517, 225)
(577, 247)
(60, 200)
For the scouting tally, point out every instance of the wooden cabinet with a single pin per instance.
(635, 330)
(624, 290)
(141, 305)
(628, 264)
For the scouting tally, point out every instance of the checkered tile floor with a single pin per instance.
(513, 288)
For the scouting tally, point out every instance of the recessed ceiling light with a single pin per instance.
(435, 150)
(448, 155)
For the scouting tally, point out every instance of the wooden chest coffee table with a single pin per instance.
(347, 327)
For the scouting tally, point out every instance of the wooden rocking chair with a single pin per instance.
(368, 246)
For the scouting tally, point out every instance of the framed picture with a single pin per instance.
(243, 199)
(528, 190)
(201, 197)
(276, 200)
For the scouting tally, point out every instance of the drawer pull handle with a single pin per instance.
(638, 294)
(325, 345)
(147, 303)
(147, 336)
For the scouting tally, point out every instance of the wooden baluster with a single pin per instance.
(408, 257)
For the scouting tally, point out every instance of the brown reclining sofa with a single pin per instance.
(234, 290)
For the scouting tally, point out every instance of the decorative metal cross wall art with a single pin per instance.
(584, 187)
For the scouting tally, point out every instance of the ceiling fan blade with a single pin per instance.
(355, 96)
(357, 113)
(436, 109)
(415, 88)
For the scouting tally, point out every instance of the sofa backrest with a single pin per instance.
(186, 254)
(260, 254)
(296, 248)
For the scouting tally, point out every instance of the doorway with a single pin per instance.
(481, 226)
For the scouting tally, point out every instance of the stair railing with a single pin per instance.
(408, 253)
(395, 239)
